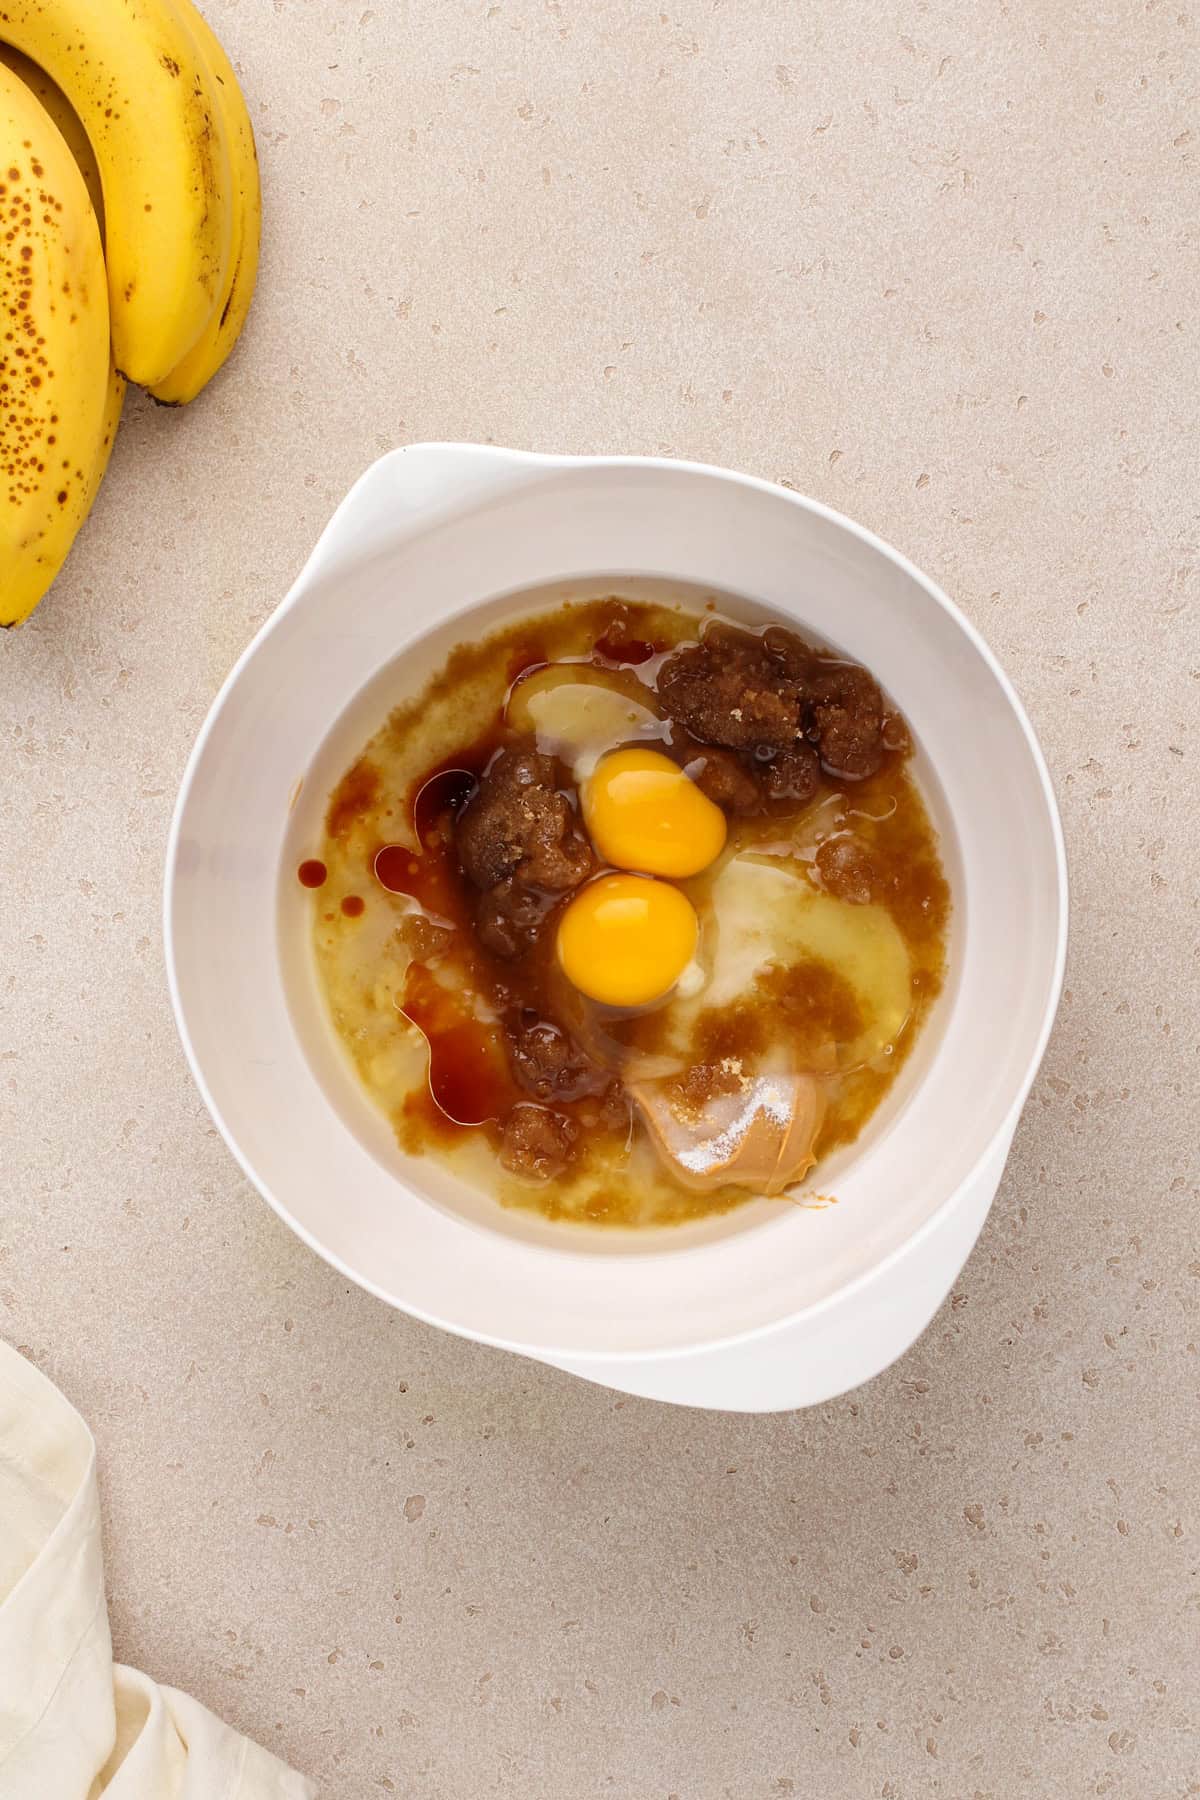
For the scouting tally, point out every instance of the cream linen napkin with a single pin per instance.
(74, 1725)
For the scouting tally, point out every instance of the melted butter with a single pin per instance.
(769, 915)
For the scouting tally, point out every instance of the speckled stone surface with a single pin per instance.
(936, 264)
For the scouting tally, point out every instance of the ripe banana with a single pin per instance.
(114, 400)
(133, 73)
(225, 324)
(59, 400)
(67, 120)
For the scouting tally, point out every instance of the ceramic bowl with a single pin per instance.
(440, 543)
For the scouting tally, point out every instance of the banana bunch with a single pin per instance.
(130, 196)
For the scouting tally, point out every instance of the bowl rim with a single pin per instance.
(311, 569)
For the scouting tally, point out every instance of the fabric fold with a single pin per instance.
(73, 1724)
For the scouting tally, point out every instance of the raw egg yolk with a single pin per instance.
(644, 813)
(625, 940)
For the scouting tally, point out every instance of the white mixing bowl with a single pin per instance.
(771, 1305)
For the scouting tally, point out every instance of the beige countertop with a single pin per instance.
(937, 265)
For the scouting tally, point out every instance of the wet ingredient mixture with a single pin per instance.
(632, 914)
